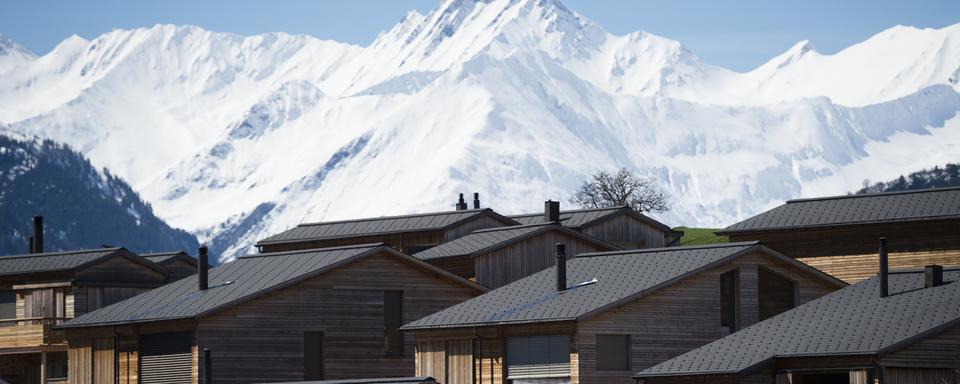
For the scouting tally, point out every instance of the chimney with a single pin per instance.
(30, 245)
(202, 265)
(37, 234)
(884, 286)
(551, 211)
(561, 267)
(461, 205)
(933, 276)
(476, 200)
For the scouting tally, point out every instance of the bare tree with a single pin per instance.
(624, 187)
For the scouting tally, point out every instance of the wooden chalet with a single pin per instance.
(180, 264)
(330, 313)
(408, 234)
(838, 234)
(621, 226)
(599, 318)
(498, 256)
(858, 335)
(40, 290)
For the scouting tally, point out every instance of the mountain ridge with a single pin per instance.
(517, 99)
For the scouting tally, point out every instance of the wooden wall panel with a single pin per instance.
(262, 340)
(627, 232)
(854, 268)
(920, 376)
(938, 351)
(511, 263)
(860, 239)
(465, 228)
(462, 266)
(120, 270)
(80, 361)
(681, 317)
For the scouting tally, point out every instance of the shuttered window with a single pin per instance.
(392, 321)
(613, 352)
(8, 307)
(313, 355)
(777, 293)
(729, 292)
(165, 358)
(534, 357)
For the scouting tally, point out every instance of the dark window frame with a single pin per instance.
(313, 353)
(730, 299)
(627, 356)
(392, 321)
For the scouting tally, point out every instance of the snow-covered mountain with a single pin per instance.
(238, 137)
(13, 54)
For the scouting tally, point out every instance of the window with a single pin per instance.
(313, 355)
(729, 292)
(8, 308)
(538, 359)
(392, 321)
(56, 366)
(777, 293)
(613, 352)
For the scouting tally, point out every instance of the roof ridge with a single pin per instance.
(671, 249)
(60, 253)
(875, 194)
(573, 211)
(311, 250)
(509, 227)
(163, 253)
(393, 217)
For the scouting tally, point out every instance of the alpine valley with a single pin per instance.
(234, 138)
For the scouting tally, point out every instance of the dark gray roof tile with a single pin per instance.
(852, 321)
(930, 204)
(620, 275)
(489, 239)
(52, 261)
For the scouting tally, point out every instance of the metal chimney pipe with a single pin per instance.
(37, 234)
(30, 245)
(461, 204)
(476, 200)
(207, 367)
(561, 267)
(202, 265)
(884, 268)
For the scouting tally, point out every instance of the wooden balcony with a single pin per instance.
(30, 332)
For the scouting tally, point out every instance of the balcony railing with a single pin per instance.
(30, 332)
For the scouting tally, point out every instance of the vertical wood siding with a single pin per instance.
(937, 351)
(465, 228)
(514, 262)
(628, 232)
(681, 317)
(120, 270)
(854, 268)
(262, 340)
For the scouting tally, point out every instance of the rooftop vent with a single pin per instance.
(202, 265)
(476, 200)
(932, 276)
(561, 267)
(884, 285)
(37, 243)
(551, 211)
(461, 204)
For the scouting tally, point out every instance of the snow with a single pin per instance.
(520, 100)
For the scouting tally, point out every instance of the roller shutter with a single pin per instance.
(538, 357)
(166, 358)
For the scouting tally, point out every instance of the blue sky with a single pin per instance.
(735, 34)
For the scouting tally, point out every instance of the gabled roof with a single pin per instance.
(621, 277)
(885, 207)
(68, 261)
(166, 257)
(379, 225)
(581, 217)
(487, 240)
(236, 282)
(851, 321)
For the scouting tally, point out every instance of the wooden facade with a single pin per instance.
(849, 252)
(31, 349)
(264, 339)
(525, 257)
(628, 231)
(660, 326)
(408, 242)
